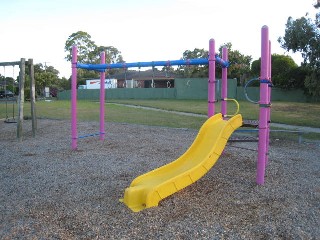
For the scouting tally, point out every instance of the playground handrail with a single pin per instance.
(237, 104)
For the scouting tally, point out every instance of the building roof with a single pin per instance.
(144, 75)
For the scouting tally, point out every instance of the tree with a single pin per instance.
(239, 63)
(302, 35)
(45, 77)
(285, 72)
(317, 6)
(168, 70)
(64, 84)
(86, 47)
(113, 55)
(89, 52)
(9, 82)
(195, 70)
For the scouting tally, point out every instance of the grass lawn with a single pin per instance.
(303, 114)
(89, 111)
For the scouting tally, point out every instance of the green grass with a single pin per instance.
(116, 113)
(303, 114)
(294, 136)
(89, 111)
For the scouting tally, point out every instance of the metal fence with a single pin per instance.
(187, 88)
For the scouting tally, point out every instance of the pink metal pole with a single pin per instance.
(74, 99)
(269, 100)
(264, 106)
(212, 78)
(102, 96)
(224, 84)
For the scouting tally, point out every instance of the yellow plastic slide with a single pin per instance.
(148, 189)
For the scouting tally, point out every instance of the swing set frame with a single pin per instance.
(22, 65)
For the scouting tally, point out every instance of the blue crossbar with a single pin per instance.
(181, 62)
(90, 135)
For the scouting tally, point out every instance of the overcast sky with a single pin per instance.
(142, 30)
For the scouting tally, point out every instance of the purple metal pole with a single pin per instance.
(212, 78)
(264, 105)
(269, 100)
(74, 99)
(224, 84)
(102, 95)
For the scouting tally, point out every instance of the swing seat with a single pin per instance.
(10, 120)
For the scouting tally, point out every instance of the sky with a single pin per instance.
(142, 30)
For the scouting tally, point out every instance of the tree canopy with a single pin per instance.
(88, 51)
(46, 76)
(195, 70)
(86, 47)
(239, 63)
(239, 68)
(302, 35)
(285, 72)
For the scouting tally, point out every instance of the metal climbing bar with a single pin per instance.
(212, 60)
(91, 135)
(181, 62)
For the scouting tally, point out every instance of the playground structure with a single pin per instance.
(22, 66)
(148, 189)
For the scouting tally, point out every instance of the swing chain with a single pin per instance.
(6, 94)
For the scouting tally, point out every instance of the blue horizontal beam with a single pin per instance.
(91, 135)
(181, 62)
